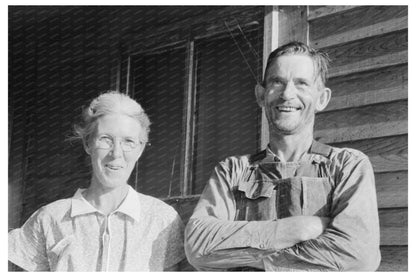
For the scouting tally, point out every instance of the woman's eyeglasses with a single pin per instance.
(127, 144)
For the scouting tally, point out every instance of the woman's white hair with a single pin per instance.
(111, 102)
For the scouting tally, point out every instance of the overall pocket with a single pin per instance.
(255, 200)
(317, 196)
(303, 196)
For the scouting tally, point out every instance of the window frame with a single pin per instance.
(190, 91)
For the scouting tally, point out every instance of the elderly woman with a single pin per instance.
(109, 226)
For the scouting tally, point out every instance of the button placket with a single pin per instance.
(106, 239)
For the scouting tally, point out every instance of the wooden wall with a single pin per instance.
(368, 111)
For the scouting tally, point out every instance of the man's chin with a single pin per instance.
(283, 130)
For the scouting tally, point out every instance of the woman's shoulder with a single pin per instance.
(156, 207)
(55, 210)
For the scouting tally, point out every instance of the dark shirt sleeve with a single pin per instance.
(351, 240)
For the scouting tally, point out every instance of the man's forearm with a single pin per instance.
(225, 244)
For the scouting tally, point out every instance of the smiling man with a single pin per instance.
(298, 205)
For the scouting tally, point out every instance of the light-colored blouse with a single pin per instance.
(143, 234)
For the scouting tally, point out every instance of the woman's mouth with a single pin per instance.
(113, 167)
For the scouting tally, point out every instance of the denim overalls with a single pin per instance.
(272, 190)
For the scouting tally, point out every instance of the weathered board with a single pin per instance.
(368, 46)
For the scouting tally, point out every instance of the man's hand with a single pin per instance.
(313, 227)
(295, 229)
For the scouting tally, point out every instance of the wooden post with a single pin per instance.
(269, 43)
(188, 124)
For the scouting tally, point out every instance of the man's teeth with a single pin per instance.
(286, 109)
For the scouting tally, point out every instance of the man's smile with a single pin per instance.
(287, 108)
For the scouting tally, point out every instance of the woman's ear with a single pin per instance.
(323, 100)
(260, 93)
(87, 146)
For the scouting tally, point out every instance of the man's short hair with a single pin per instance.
(320, 59)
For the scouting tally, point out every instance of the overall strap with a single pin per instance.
(321, 149)
(255, 158)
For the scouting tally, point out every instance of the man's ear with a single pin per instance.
(323, 99)
(260, 93)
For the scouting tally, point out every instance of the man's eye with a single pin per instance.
(302, 83)
(277, 83)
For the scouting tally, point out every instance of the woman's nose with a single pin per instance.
(117, 151)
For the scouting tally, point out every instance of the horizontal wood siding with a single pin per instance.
(366, 88)
(392, 189)
(368, 46)
(393, 226)
(362, 122)
(322, 11)
(394, 258)
(358, 23)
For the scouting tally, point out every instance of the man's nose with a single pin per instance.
(288, 92)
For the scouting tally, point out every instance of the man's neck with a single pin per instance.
(290, 148)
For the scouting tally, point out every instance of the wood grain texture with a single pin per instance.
(369, 53)
(380, 113)
(371, 87)
(361, 123)
(293, 24)
(386, 153)
(392, 189)
(270, 42)
(394, 258)
(395, 145)
(357, 19)
(316, 12)
(385, 163)
(368, 98)
(367, 131)
(393, 226)
(370, 64)
(393, 78)
(395, 24)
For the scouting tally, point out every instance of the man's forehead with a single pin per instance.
(299, 65)
(294, 63)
